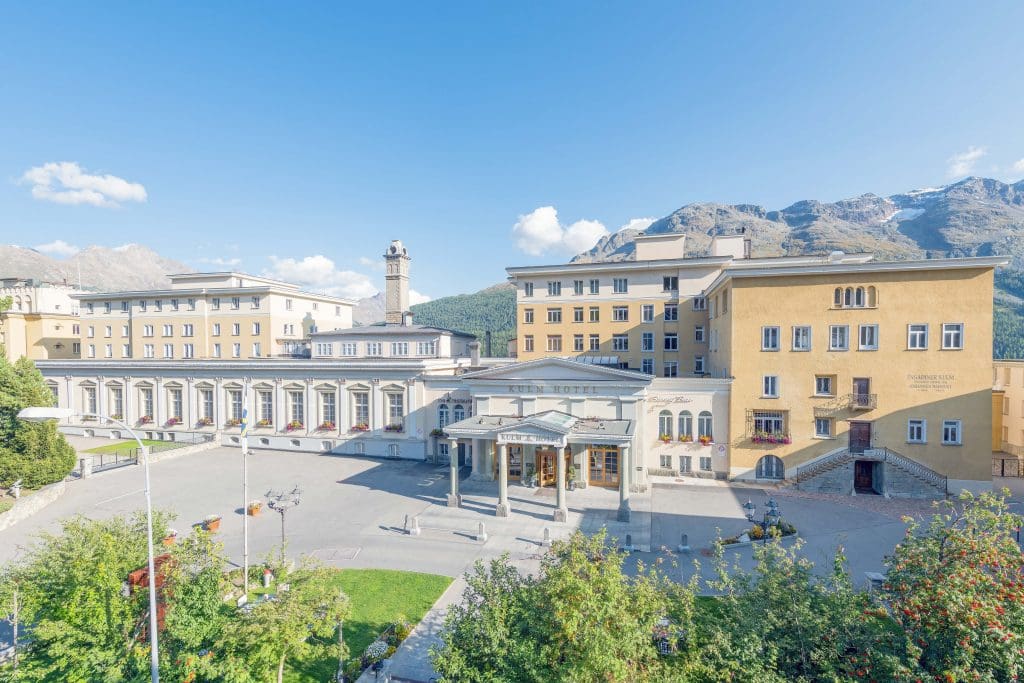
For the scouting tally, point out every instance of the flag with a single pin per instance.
(245, 421)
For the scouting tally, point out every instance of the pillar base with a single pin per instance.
(560, 515)
(624, 511)
(454, 500)
(502, 510)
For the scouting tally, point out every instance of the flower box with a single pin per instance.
(233, 422)
(263, 423)
(394, 428)
(327, 426)
(705, 440)
(254, 507)
(361, 427)
(117, 416)
(686, 438)
(173, 421)
(212, 523)
(771, 438)
(438, 433)
(294, 425)
(205, 421)
(170, 538)
(665, 437)
(145, 419)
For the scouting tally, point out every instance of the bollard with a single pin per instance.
(546, 542)
(481, 533)
(684, 543)
(16, 489)
(406, 525)
(85, 467)
(629, 543)
(268, 576)
(414, 530)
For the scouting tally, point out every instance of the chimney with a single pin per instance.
(396, 283)
(474, 353)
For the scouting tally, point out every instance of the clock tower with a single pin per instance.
(396, 277)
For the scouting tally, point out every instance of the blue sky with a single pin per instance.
(298, 139)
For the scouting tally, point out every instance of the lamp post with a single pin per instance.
(46, 413)
(771, 516)
(280, 503)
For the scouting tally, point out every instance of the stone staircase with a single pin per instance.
(901, 477)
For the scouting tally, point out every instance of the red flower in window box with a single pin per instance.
(361, 427)
(171, 421)
(205, 421)
(327, 426)
(145, 419)
(705, 439)
(294, 425)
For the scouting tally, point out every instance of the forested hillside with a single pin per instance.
(489, 310)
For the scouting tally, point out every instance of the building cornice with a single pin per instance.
(208, 291)
(241, 366)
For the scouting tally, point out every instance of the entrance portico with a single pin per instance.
(545, 444)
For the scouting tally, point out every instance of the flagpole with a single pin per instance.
(245, 495)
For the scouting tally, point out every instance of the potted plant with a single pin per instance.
(171, 537)
(571, 476)
(394, 428)
(294, 425)
(233, 422)
(665, 438)
(686, 438)
(254, 507)
(171, 421)
(145, 419)
(438, 433)
(205, 421)
(263, 423)
(211, 523)
(117, 416)
(360, 427)
(327, 426)
(705, 439)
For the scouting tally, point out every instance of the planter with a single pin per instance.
(254, 508)
(327, 427)
(170, 538)
(361, 427)
(211, 524)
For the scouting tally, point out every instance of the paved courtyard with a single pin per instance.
(354, 511)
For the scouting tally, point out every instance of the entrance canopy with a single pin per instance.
(547, 428)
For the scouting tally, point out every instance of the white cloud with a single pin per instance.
(58, 248)
(636, 224)
(65, 182)
(417, 298)
(221, 262)
(963, 163)
(540, 231)
(1018, 166)
(319, 273)
(376, 264)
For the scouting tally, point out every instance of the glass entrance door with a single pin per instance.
(547, 467)
(604, 465)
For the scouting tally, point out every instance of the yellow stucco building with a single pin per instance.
(41, 322)
(1008, 407)
(848, 374)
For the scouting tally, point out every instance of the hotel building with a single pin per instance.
(42, 321)
(229, 316)
(1008, 415)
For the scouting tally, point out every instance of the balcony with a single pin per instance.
(863, 401)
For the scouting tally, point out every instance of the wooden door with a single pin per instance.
(864, 476)
(547, 467)
(860, 436)
(862, 392)
(604, 466)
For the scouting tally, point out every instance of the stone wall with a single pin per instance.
(26, 506)
(891, 481)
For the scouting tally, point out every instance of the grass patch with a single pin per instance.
(378, 598)
(125, 447)
(5, 505)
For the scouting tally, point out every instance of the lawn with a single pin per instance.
(125, 446)
(379, 597)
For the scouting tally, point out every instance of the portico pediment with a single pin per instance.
(557, 370)
(527, 433)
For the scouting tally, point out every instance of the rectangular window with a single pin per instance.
(90, 331)
(107, 331)
(361, 409)
(168, 330)
(823, 428)
(76, 348)
(620, 285)
(215, 303)
(176, 404)
(216, 350)
(399, 348)
(528, 343)
(917, 337)
(216, 329)
(236, 350)
(147, 351)
(554, 288)
(951, 435)
(700, 303)
(206, 404)
(374, 349)
(554, 315)
(124, 330)
(620, 314)
(595, 286)
(254, 303)
(256, 329)
(328, 412)
(428, 348)
(647, 313)
(595, 342)
(577, 342)
(595, 314)
(187, 331)
(769, 338)
(665, 460)
(671, 312)
(670, 369)
(916, 431)
(770, 386)
(670, 283)
(108, 351)
(147, 402)
(528, 316)
(577, 314)
(188, 351)
(671, 342)
(647, 366)
(159, 305)
(92, 351)
(952, 336)
(90, 400)
(620, 342)
(142, 305)
(527, 289)
(868, 338)
(705, 463)
(236, 329)
(76, 329)
(685, 464)
(554, 342)
(297, 408)
(191, 304)
(117, 402)
(802, 338)
(396, 411)
(838, 337)
(288, 304)
(698, 334)
(90, 308)
(236, 303)
(147, 330)
(168, 350)
(126, 351)
(257, 349)
(647, 341)
(348, 348)
(577, 287)
(698, 365)
(823, 385)
(265, 407)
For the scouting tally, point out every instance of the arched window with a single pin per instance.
(458, 413)
(770, 467)
(838, 298)
(858, 297)
(872, 302)
(686, 424)
(704, 424)
(848, 297)
(664, 424)
(442, 415)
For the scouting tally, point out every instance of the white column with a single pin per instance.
(561, 510)
(159, 403)
(101, 396)
(219, 415)
(69, 384)
(311, 420)
(129, 403)
(378, 411)
(502, 509)
(279, 408)
(625, 470)
(343, 416)
(189, 414)
(454, 499)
